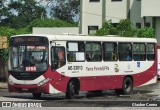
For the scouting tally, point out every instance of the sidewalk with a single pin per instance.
(3, 85)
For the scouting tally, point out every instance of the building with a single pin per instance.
(142, 13)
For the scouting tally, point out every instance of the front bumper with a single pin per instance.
(28, 88)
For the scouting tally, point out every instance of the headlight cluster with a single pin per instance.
(10, 82)
(43, 82)
(39, 84)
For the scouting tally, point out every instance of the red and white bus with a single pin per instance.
(44, 64)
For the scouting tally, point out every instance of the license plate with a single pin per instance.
(25, 89)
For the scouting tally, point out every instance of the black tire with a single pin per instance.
(118, 91)
(71, 90)
(127, 86)
(37, 95)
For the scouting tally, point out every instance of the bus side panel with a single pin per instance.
(142, 78)
(115, 82)
(88, 83)
(57, 80)
(148, 75)
(100, 83)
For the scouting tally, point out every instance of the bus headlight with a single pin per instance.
(10, 82)
(43, 82)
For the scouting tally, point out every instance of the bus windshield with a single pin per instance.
(28, 58)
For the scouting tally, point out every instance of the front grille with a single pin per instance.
(26, 76)
(31, 77)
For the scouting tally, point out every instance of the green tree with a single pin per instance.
(107, 29)
(125, 25)
(102, 32)
(19, 13)
(5, 31)
(146, 32)
(65, 9)
(3, 62)
(125, 28)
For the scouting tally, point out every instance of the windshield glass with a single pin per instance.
(28, 58)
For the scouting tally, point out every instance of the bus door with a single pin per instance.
(58, 59)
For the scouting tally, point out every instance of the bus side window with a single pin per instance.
(75, 51)
(139, 53)
(150, 52)
(88, 57)
(125, 51)
(57, 57)
(93, 51)
(110, 51)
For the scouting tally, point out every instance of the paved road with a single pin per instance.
(106, 99)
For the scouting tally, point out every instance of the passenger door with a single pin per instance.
(58, 58)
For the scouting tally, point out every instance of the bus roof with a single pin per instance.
(109, 38)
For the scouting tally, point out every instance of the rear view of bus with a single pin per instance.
(28, 60)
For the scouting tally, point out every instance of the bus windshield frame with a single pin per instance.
(27, 57)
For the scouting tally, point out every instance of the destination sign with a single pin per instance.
(25, 39)
(29, 40)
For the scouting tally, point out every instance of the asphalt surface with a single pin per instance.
(107, 99)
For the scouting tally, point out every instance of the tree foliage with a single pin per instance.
(19, 16)
(124, 25)
(107, 29)
(5, 31)
(19, 13)
(125, 29)
(65, 9)
(145, 32)
(102, 32)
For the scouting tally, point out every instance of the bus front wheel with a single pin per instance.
(127, 86)
(71, 90)
(36, 95)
